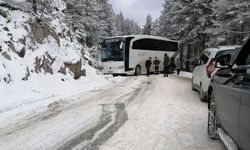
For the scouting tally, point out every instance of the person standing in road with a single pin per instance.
(148, 65)
(166, 65)
(178, 66)
(172, 65)
(157, 63)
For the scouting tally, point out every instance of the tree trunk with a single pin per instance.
(34, 6)
(181, 55)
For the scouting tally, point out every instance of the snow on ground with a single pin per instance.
(186, 74)
(41, 87)
(170, 118)
(49, 133)
(58, 124)
(21, 99)
(149, 113)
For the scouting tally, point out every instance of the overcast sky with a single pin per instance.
(138, 9)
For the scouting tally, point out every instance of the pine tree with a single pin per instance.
(34, 6)
(232, 21)
(148, 25)
(156, 28)
(104, 21)
(135, 28)
(187, 21)
(120, 24)
(82, 18)
(126, 26)
(169, 20)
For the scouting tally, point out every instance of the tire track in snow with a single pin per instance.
(137, 96)
(52, 110)
(113, 117)
(93, 138)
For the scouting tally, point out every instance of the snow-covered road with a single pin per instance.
(139, 113)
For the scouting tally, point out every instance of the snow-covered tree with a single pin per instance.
(135, 28)
(79, 16)
(105, 21)
(119, 21)
(168, 27)
(34, 6)
(232, 21)
(126, 26)
(187, 20)
(148, 25)
(156, 28)
(95, 17)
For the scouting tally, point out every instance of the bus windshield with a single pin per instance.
(112, 51)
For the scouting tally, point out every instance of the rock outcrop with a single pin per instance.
(41, 30)
(3, 13)
(6, 56)
(44, 63)
(76, 69)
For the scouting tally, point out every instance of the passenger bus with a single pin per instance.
(127, 54)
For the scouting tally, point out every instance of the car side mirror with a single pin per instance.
(223, 61)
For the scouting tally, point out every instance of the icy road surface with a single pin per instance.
(139, 113)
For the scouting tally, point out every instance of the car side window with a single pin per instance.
(247, 62)
(204, 59)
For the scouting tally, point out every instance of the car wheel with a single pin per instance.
(138, 70)
(213, 121)
(202, 96)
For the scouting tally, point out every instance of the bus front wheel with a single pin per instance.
(138, 70)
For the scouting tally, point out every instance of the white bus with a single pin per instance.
(127, 54)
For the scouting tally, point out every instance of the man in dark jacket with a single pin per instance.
(166, 65)
(147, 65)
(178, 66)
(157, 63)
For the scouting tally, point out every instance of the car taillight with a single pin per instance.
(210, 68)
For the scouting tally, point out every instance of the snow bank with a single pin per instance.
(186, 74)
(41, 88)
(35, 97)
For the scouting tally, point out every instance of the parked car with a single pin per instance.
(229, 99)
(205, 68)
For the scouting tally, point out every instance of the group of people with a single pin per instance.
(166, 65)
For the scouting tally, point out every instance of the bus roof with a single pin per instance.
(143, 37)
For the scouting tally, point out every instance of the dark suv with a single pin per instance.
(229, 99)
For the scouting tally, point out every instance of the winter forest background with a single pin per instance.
(197, 24)
(91, 19)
